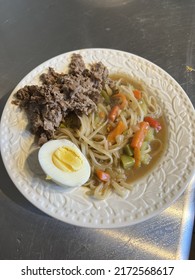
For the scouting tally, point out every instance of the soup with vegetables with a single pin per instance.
(158, 137)
(114, 121)
(123, 139)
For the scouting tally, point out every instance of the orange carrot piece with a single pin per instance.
(153, 123)
(103, 176)
(139, 135)
(113, 113)
(122, 98)
(137, 93)
(118, 130)
(137, 157)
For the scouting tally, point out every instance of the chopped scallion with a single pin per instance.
(127, 161)
(106, 96)
(128, 150)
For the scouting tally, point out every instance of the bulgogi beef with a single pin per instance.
(60, 94)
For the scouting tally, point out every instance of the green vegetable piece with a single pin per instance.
(146, 158)
(128, 151)
(62, 125)
(127, 161)
(150, 135)
(144, 146)
(106, 96)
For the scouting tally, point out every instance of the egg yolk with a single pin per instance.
(67, 159)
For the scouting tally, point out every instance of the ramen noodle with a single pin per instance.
(120, 139)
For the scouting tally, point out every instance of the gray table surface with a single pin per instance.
(162, 31)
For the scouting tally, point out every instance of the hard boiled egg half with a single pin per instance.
(64, 163)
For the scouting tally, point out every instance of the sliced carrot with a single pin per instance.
(137, 93)
(118, 130)
(153, 123)
(137, 157)
(122, 99)
(139, 135)
(103, 176)
(114, 113)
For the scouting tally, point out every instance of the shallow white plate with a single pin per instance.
(155, 192)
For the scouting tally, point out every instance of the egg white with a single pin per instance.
(65, 179)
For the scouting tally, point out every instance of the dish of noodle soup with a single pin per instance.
(97, 138)
(116, 124)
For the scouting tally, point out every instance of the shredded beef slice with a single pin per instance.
(77, 65)
(45, 109)
(61, 94)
